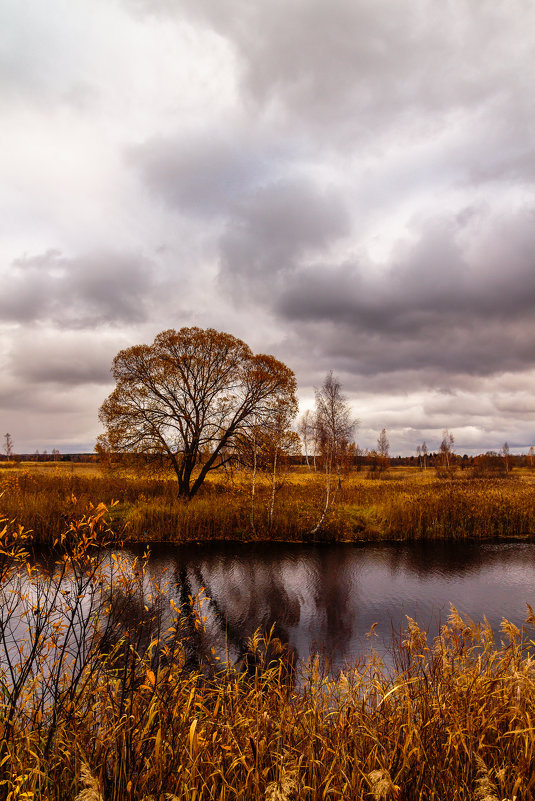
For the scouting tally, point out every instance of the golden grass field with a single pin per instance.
(403, 503)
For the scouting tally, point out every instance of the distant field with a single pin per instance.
(401, 503)
(83, 468)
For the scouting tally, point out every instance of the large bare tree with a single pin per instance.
(191, 397)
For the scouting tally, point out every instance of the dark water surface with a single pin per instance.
(327, 597)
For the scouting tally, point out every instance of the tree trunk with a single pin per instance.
(319, 524)
(253, 485)
(273, 489)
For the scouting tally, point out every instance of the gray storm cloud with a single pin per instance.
(437, 281)
(356, 67)
(435, 308)
(273, 230)
(79, 292)
(203, 175)
(70, 359)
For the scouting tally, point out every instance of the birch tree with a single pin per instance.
(8, 446)
(335, 426)
(446, 448)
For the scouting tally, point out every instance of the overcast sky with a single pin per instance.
(346, 184)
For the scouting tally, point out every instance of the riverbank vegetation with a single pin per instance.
(247, 505)
(106, 695)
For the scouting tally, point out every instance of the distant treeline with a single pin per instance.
(358, 459)
(487, 459)
(53, 456)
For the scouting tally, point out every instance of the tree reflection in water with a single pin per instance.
(322, 598)
(326, 598)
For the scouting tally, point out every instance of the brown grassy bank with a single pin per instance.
(120, 717)
(405, 504)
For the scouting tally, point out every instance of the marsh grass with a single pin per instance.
(96, 707)
(405, 504)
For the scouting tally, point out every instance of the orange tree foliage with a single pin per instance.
(191, 397)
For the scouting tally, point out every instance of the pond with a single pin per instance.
(326, 598)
